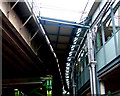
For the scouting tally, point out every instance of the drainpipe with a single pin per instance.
(92, 63)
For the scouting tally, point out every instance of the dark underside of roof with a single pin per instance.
(60, 36)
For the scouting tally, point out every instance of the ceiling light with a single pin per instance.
(57, 61)
(69, 59)
(70, 53)
(67, 80)
(67, 76)
(51, 48)
(75, 39)
(55, 55)
(72, 46)
(68, 64)
(68, 93)
(67, 68)
(67, 71)
(15, 89)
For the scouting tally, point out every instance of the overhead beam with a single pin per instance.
(57, 25)
(60, 35)
(71, 56)
(59, 42)
(21, 81)
(65, 22)
(75, 45)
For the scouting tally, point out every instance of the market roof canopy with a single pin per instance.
(60, 19)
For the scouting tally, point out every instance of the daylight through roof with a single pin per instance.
(73, 10)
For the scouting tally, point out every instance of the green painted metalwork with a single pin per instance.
(114, 93)
(16, 93)
(48, 86)
(34, 90)
(39, 94)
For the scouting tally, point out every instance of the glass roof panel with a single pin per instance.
(68, 10)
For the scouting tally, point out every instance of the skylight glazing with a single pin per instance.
(67, 10)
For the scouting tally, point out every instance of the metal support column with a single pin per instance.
(91, 79)
(92, 63)
(74, 89)
(114, 29)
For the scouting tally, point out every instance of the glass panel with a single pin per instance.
(108, 29)
(107, 24)
(100, 59)
(55, 9)
(117, 19)
(99, 39)
(87, 74)
(110, 47)
(118, 42)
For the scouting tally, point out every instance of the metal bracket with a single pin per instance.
(92, 62)
(26, 21)
(13, 6)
